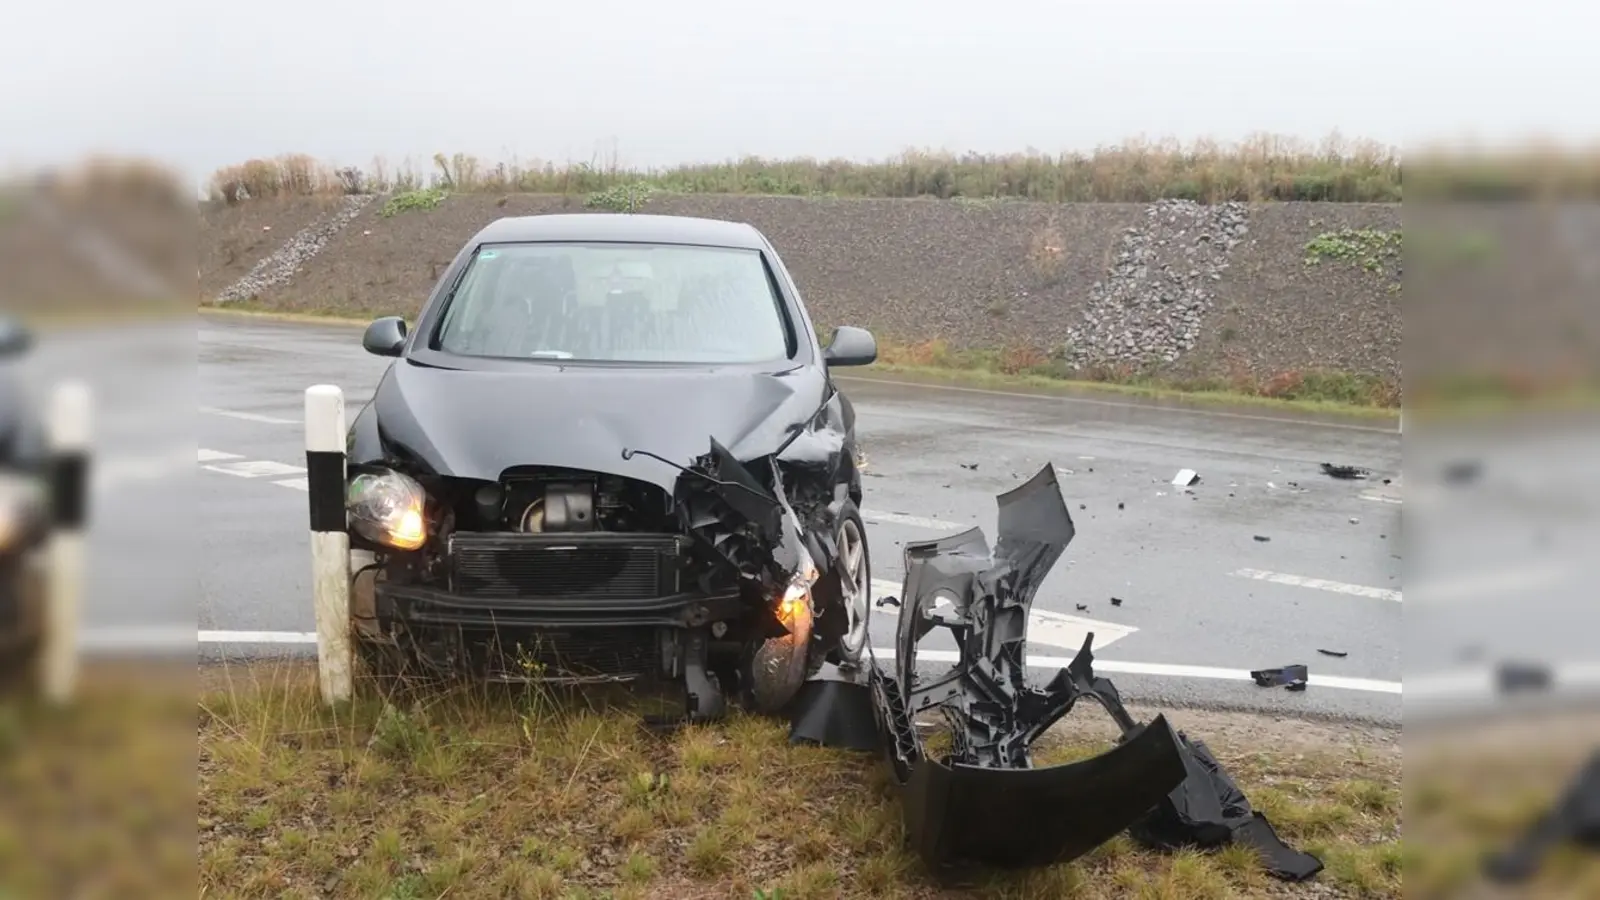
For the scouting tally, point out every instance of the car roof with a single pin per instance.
(625, 228)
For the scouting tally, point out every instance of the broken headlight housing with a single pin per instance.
(387, 507)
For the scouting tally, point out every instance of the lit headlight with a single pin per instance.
(797, 595)
(22, 506)
(387, 507)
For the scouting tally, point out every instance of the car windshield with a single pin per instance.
(616, 303)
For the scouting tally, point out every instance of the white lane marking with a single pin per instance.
(141, 637)
(1162, 670)
(247, 416)
(1481, 685)
(1378, 497)
(1052, 629)
(299, 484)
(1496, 584)
(216, 455)
(256, 468)
(1116, 404)
(1321, 584)
(258, 637)
(913, 521)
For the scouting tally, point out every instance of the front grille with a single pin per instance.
(591, 566)
(582, 653)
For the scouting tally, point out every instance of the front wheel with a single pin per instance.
(854, 569)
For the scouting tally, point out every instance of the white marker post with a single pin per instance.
(68, 435)
(330, 540)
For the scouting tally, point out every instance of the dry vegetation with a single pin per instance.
(1262, 168)
(1325, 391)
(516, 793)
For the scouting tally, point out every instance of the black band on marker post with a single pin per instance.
(325, 484)
(68, 487)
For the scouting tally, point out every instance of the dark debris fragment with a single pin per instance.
(1340, 654)
(1344, 472)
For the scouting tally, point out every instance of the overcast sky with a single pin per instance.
(203, 83)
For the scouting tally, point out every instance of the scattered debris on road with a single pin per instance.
(1341, 654)
(1347, 473)
(1120, 505)
(971, 466)
(1116, 601)
(1354, 520)
(1262, 538)
(1083, 607)
(1186, 478)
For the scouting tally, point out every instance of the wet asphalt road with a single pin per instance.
(936, 459)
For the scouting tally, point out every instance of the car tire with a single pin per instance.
(844, 619)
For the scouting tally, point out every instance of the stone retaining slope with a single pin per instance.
(1194, 290)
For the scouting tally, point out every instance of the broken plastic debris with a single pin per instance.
(1347, 473)
(1287, 676)
(1082, 607)
(1262, 538)
(972, 466)
(1185, 478)
(1209, 811)
(1341, 654)
(1575, 819)
(1116, 601)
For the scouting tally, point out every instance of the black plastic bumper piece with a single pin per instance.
(1016, 818)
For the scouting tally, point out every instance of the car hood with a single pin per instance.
(476, 424)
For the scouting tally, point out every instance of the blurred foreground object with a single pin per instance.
(1575, 819)
(69, 490)
(43, 507)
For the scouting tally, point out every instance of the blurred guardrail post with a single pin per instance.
(68, 427)
(330, 539)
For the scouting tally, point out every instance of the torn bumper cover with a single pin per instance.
(985, 802)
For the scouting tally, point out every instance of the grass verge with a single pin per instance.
(517, 792)
(932, 362)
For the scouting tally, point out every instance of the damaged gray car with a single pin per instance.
(611, 450)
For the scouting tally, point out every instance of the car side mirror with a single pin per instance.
(385, 336)
(15, 338)
(851, 346)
